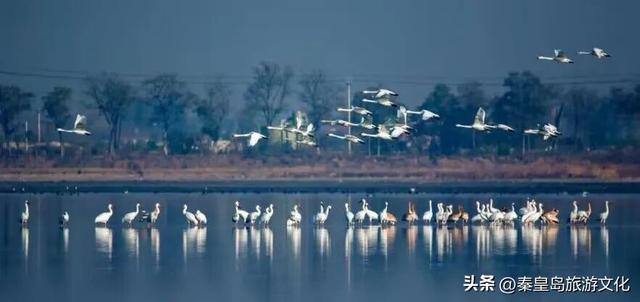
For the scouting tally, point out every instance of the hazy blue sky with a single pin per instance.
(407, 45)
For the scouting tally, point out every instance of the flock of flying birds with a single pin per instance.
(531, 213)
(389, 130)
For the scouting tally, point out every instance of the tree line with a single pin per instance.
(588, 118)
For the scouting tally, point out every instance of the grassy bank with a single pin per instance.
(236, 167)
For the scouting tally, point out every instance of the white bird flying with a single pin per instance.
(547, 131)
(383, 133)
(596, 52)
(559, 57)
(254, 137)
(79, 127)
(348, 137)
(307, 141)
(381, 101)
(478, 122)
(356, 110)
(380, 93)
(367, 123)
(425, 114)
(342, 123)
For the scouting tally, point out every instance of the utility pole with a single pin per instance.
(349, 113)
(39, 133)
(26, 136)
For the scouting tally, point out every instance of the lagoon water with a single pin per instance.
(172, 262)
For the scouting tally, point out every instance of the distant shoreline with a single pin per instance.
(551, 186)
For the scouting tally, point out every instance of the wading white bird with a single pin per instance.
(239, 214)
(596, 52)
(266, 217)
(79, 127)
(348, 214)
(583, 216)
(104, 217)
(155, 214)
(426, 217)
(348, 137)
(559, 57)
(24, 216)
(129, 217)
(254, 137)
(356, 110)
(425, 114)
(322, 216)
(387, 218)
(604, 215)
(253, 216)
(511, 216)
(360, 215)
(64, 219)
(573, 215)
(373, 216)
(191, 219)
(478, 122)
(202, 218)
(383, 133)
(380, 93)
(295, 218)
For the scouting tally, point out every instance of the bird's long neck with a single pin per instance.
(184, 210)
(26, 209)
(606, 207)
(327, 212)
(429, 205)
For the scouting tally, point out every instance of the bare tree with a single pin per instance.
(169, 98)
(13, 101)
(213, 109)
(318, 94)
(112, 97)
(269, 89)
(56, 109)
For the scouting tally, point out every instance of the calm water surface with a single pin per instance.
(172, 262)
